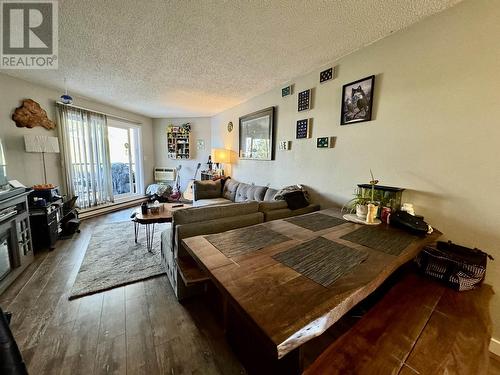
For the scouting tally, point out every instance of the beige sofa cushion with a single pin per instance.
(207, 189)
(286, 212)
(247, 192)
(229, 190)
(270, 193)
(273, 205)
(200, 214)
(209, 202)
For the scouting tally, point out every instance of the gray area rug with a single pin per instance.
(113, 259)
(321, 260)
(245, 240)
(316, 222)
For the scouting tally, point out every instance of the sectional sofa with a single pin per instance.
(217, 208)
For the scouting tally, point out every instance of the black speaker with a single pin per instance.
(11, 361)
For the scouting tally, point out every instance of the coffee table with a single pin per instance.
(149, 220)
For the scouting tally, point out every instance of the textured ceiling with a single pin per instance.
(197, 58)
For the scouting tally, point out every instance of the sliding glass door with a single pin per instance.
(101, 156)
(123, 147)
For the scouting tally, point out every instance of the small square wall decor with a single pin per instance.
(200, 144)
(286, 91)
(324, 142)
(304, 100)
(303, 129)
(285, 145)
(326, 75)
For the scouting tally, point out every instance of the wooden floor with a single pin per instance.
(135, 329)
(494, 365)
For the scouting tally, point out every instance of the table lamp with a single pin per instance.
(221, 156)
(42, 144)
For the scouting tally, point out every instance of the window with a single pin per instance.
(124, 149)
(102, 156)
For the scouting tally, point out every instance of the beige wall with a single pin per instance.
(200, 129)
(435, 131)
(27, 167)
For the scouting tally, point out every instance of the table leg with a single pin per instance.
(136, 230)
(150, 233)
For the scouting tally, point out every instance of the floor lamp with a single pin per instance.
(42, 144)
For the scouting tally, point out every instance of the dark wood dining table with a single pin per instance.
(281, 307)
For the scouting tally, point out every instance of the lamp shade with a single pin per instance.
(41, 143)
(221, 155)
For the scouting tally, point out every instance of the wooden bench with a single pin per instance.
(418, 327)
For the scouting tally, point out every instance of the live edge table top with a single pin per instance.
(289, 308)
(163, 216)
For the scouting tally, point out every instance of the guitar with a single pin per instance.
(188, 193)
(176, 191)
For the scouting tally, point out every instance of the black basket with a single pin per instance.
(457, 266)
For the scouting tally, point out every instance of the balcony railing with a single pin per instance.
(120, 180)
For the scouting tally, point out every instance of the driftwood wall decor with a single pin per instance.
(30, 114)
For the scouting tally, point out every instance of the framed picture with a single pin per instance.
(357, 100)
(286, 91)
(326, 75)
(257, 135)
(325, 142)
(303, 129)
(304, 100)
(285, 145)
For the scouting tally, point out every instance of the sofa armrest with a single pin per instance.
(207, 189)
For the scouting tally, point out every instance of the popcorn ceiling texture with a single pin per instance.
(197, 58)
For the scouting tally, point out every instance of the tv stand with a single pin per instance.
(16, 248)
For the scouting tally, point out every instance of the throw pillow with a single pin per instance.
(280, 195)
(296, 200)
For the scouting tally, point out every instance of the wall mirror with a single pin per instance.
(257, 135)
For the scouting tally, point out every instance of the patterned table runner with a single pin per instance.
(316, 222)
(388, 240)
(321, 260)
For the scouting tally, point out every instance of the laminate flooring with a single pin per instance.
(136, 329)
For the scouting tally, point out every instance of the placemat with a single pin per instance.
(316, 222)
(321, 260)
(387, 240)
(245, 240)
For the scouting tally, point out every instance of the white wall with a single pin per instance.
(27, 167)
(200, 129)
(435, 129)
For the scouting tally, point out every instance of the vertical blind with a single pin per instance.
(85, 155)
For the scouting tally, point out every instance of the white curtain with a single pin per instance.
(85, 155)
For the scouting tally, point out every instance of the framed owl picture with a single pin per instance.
(357, 101)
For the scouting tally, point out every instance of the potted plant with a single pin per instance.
(359, 204)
